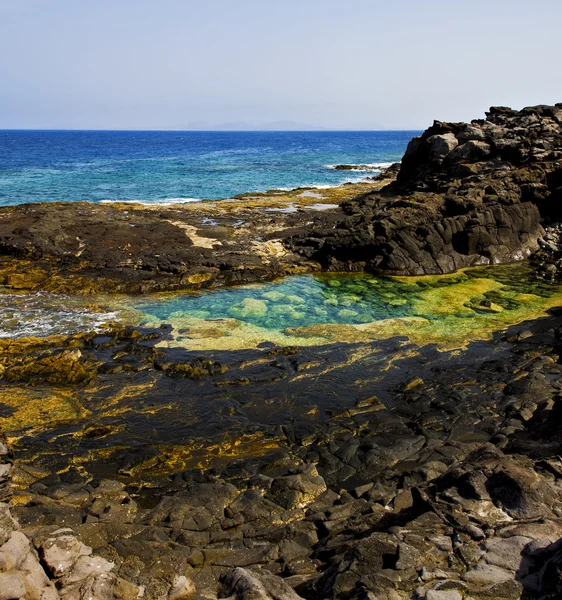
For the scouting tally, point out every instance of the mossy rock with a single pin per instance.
(293, 299)
(346, 313)
(284, 310)
(249, 307)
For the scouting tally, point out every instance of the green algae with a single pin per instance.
(448, 310)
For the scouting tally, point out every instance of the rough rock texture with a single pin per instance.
(22, 577)
(466, 194)
(447, 487)
(134, 248)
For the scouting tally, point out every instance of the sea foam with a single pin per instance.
(163, 202)
(368, 167)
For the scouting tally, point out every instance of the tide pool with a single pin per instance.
(447, 310)
(314, 309)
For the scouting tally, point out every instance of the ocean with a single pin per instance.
(182, 166)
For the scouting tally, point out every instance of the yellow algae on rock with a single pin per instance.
(35, 408)
(330, 332)
(199, 277)
(237, 335)
(451, 300)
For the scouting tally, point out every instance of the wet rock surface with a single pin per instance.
(443, 484)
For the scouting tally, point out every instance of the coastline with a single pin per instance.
(244, 233)
(384, 468)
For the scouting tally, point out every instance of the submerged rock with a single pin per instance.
(249, 307)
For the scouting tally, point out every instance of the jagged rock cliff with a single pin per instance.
(465, 195)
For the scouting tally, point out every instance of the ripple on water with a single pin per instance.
(42, 314)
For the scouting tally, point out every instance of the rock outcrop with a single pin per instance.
(135, 248)
(465, 195)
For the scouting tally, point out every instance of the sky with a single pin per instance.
(353, 64)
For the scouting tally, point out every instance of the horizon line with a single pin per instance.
(318, 130)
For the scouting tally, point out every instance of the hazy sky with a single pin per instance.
(358, 64)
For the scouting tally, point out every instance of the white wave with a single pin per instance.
(322, 206)
(43, 314)
(328, 186)
(381, 166)
(163, 202)
(177, 200)
(312, 186)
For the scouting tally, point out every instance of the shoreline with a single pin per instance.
(388, 468)
(244, 233)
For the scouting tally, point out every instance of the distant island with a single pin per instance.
(245, 126)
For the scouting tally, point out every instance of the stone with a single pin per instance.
(441, 145)
(36, 579)
(487, 575)
(471, 150)
(14, 551)
(61, 553)
(125, 590)
(85, 567)
(249, 307)
(506, 553)
(182, 589)
(98, 587)
(443, 595)
(470, 132)
(7, 523)
(251, 584)
(296, 491)
(12, 586)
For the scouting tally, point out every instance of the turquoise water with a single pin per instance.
(292, 302)
(454, 305)
(48, 166)
(470, 301)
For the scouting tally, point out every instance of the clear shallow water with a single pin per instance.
(441, 309)
(304, 309)
(49, 166)
(292, 302)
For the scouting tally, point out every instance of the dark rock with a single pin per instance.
(465, 195)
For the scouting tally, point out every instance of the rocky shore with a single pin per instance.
(135, 248)
(445, 485)
(381, 469)
(465, 195)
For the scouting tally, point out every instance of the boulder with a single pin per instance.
(253, 584)
(441, 145)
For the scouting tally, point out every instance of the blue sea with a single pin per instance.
(175, 166)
